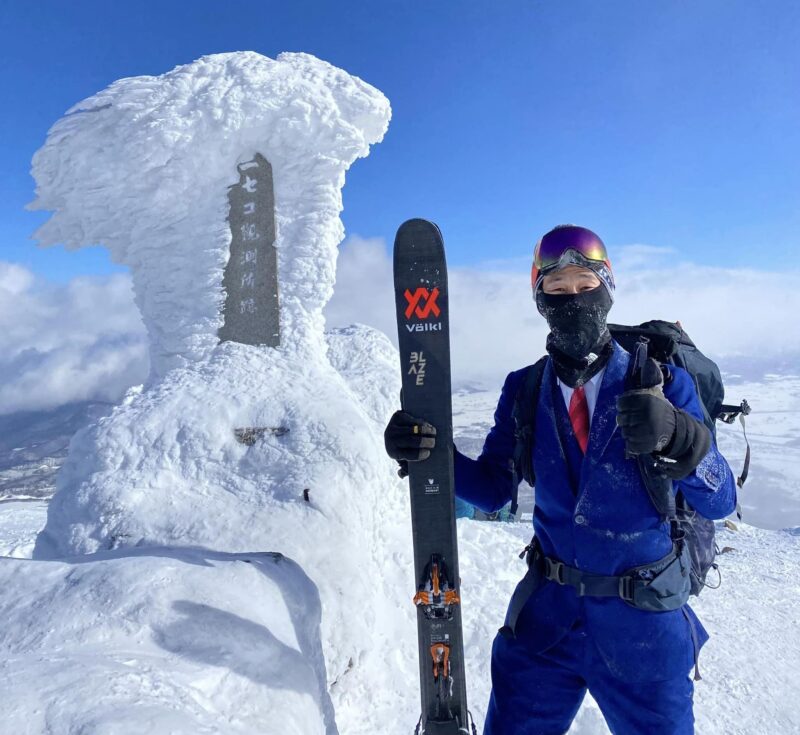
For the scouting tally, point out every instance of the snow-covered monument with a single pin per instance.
(219, 185)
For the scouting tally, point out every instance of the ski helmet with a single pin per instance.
(571, 245)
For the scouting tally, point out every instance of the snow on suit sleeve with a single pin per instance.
(710, 488)
(486, 482)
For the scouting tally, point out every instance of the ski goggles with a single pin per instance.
(570, 245)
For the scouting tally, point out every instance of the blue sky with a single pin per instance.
(673, 123)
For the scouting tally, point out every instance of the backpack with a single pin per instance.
(669, 344)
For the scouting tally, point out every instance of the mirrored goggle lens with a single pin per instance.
(583, 242)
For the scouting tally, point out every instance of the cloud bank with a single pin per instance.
(65, 343)
(739, 317)
(85, 340)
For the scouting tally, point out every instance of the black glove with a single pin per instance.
(689, 444)
(408, 439)
(647, 421)
(650, 423)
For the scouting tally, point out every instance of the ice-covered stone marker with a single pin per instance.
(252, 309)
(251, 312)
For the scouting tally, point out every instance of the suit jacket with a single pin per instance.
(593, 512)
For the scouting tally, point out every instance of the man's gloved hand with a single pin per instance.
(650, 423)
(647, 421)
(408, 439)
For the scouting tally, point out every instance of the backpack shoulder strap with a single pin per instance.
(658, 486)
(524, 415)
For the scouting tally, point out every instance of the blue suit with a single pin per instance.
(593, 513)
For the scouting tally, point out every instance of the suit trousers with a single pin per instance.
(540, 693)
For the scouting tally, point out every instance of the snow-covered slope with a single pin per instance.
(771, 497)
(20, 523)
(33, 446)
(162, 641)
(174, 641)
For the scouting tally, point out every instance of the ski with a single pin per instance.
(421, 298)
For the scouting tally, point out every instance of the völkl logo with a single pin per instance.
(422, 311)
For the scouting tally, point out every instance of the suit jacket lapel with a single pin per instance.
(604, 418)
(551, 442)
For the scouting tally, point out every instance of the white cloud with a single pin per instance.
(85, 340)
(364, 290)
(65, 343)
(495, 327)
(638, 255)
(14, 279)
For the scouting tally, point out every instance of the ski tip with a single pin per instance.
(418, 236)
(417, 224)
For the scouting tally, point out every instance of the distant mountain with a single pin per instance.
(34, 444)
(743, 368)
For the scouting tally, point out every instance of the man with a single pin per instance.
(593, 518)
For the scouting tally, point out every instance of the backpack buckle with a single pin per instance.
(554, 570)
(626, 588)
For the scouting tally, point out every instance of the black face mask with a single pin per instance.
(579, 341)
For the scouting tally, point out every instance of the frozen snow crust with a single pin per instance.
(143, 168)
(160, 641)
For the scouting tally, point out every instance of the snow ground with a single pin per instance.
(191, 641)
(162, 641)
(20, 522)
(34, 444)
(771, 497)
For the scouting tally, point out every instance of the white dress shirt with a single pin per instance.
(591, 388)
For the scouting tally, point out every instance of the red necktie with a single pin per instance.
(579, 417)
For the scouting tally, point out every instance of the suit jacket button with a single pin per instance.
(579, 519)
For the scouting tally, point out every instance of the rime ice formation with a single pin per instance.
(143, 168)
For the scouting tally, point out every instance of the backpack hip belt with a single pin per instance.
(659, 586)
(588, 585)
